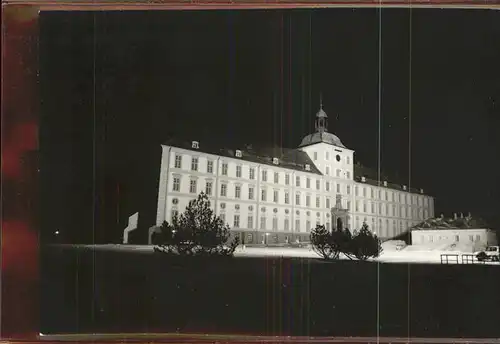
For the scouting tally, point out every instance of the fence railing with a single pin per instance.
(466, 258)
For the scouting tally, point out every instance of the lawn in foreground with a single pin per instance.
(120, 291)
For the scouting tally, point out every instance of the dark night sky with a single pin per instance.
(115, 85)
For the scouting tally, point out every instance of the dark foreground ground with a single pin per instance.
(92, 291)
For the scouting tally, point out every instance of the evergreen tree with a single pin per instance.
(366, 244)
(197, 232)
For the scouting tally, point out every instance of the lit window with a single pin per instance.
(178, 161)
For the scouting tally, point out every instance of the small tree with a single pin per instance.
(197, 232)
(321, 241)
(365, 244)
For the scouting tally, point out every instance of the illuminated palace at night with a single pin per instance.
(279, 195)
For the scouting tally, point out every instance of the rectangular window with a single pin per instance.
(263, 195)
(250, 222)
(327, 203)
(356, 190)
(348, 159)
(308, 201)
(276, 177)
(308, 225)
(287, 225)
(327, 170)
(236, 221)
(297, 199)
(348, 175)
(327, 226)
(251, 173)
(275, 223)
(297, 181)
(223, 190)
(372, 193)
(318, 184)
(262, 223)
(357, 206)
(308, 183)
(364, 192)
(275, 196)
(364, 207)
(224, 169)
(210, 166)
(238, 171)
(208, 189)
(287, 179)
(338, 188)
(237, 191)
(194, 164)
(315, 156)
(250, 193)
(178, 161)
(386, 196)
(317, 202)
(177, 184)
(327, 186)
(297, 225)
(264, 176)
(192, 186)
(337, 173)
(348, 205)
(373, 208)
(327, 155)
(287, 198)
(348, 189)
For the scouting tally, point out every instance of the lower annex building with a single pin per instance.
(279, 195)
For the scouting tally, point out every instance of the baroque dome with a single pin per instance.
(320, 137)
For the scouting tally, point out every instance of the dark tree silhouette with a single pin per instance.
(196, 232)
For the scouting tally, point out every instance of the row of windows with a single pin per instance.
(385, 195)
(338, 158)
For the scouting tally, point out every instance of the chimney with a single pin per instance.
(461, 215)
(442, 216)
(470, 215)
(454, 216)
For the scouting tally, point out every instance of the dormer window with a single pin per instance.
(308, 167)
(385, 183)
(238, 153)
(404, 187)
(363, 179)
(195, 144)
(421, 191)
(276, 161)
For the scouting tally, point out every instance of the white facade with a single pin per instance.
(476, 237)
(269, 199)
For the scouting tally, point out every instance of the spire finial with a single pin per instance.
(321, 100)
